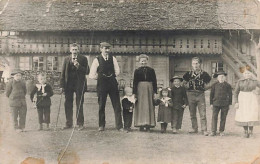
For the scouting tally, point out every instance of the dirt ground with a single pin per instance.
(111, 146)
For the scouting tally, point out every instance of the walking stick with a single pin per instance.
(58, 112)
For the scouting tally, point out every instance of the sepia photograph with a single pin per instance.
(129, 81)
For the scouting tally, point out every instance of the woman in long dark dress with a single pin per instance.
(144, 88)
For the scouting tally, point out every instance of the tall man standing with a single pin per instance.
(105, 69)
(73, 80)
(196, 81)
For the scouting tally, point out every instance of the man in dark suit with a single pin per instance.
(73, 79)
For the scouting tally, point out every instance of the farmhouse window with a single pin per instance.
(52, 63)
(217, 66)
(24, 63)
(38, 63)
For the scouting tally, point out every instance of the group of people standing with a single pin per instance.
(139, 102)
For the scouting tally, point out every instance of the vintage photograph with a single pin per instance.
(129, 81)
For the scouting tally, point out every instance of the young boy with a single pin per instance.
(220, 99)
(16, 91)
(180, 101)
(128, 102)
(43, 100)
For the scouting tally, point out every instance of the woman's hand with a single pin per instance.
(236, 106)
(44, 94)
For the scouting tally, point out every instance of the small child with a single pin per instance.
(43, 101)
(128, 102)
(16, 92)
(220, 99)
(180, 101)
(165, 109)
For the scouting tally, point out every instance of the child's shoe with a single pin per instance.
(40, 127)
(48, 127)
(174, 131)
(221, 133)
(213, 134)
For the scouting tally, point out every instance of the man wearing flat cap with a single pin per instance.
(105, 69)
(73, 80)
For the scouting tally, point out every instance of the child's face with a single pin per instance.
(42, 79)
(129, 92)
(164, 93)
(176, 82)
(18, 77)
(221, 78)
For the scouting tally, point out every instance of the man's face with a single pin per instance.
(195, 64)
(105, 50)
(74, 50)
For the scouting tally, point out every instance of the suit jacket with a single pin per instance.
(16, 91)
(82, 71)
(179, 97)
(221, 94)
(42, 101)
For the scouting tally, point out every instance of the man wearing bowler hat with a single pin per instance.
(73, 80)
(105, 69)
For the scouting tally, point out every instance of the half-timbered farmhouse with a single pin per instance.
(35, 35)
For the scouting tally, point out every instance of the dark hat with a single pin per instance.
(176, 77)
(15, 71)
(219, 73)
(104, 44)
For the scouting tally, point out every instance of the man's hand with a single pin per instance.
(44, 94)
(76, 63)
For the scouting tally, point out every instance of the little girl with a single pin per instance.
(43, 100)
(165, 109)
(128, 102)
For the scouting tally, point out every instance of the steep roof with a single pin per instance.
(71, 15)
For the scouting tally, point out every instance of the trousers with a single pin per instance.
(197, 99)
(44, 114)
(21, 113)
(69, 96)
(223, 116)
(115, 99)
(177, 116)
(128, 118)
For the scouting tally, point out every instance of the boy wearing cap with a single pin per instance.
(180, 101)
(16, 91)
(104, 69)
(220, 99)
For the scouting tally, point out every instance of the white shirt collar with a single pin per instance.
(39, 86)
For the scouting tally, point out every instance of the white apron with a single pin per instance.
(248, 110)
